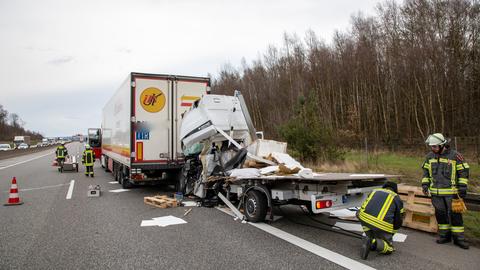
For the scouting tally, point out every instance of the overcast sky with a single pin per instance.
(61, 60)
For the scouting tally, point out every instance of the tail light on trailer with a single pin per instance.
(323, 204)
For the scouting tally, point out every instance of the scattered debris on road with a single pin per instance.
(160, 201)
(187, 212)
(163, 221)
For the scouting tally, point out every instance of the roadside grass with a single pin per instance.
(406, 165)
(471, 222)
(409, 166)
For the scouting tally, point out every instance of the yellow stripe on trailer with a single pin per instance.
(193, 98)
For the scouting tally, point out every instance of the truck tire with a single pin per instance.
(255, 206)
(180, 182)
(126, 183)
(106, 164)
(123, 179)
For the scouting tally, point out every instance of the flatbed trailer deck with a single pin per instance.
(325, 192)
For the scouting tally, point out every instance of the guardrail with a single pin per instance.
(473, 201)
(21, 152)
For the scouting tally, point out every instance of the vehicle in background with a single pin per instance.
(44, 142)
(95, 141)
(17, 140)
(5, 147)
(22, 146)
(141, 125)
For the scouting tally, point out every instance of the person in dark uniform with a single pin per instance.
(88, 159)
(381, 215)
(445, 177)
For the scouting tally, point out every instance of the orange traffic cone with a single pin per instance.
(13, 199)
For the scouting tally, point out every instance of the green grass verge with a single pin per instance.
(407, 166)
(471, 221)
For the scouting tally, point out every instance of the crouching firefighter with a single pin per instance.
(381, 216)
(88, 159)
(445, 177)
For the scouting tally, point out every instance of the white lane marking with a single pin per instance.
(309, 246)
(113, 182)
(119, 190)
(70, 190)
(21, 162)
(45, 187)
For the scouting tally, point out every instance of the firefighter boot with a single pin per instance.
(366, 246)
(443, 239)
(461, 243)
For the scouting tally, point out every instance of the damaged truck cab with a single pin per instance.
(225, 161)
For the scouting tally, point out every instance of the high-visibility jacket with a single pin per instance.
(382, 210)
(445, 172)
(88, 157)
(61, 151)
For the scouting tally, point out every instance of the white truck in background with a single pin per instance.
(17, 140)
(141, 125)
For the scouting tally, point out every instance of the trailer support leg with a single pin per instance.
(231, 206)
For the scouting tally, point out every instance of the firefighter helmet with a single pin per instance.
(87, 146)
(391, 185)
(436, 139)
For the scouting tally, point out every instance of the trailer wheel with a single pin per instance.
(106, 163)
(123, 179)
(255, 206)
(180, 181)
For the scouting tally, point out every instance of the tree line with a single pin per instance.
(12, 125)
(410, 70)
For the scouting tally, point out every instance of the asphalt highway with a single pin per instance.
(55, 229)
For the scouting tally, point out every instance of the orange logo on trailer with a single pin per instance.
(152, 100)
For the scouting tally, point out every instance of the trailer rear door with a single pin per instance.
(152, 119)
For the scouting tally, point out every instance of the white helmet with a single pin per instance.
(87, 146)
(436, 139)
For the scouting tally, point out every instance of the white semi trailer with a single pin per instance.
(141, 123)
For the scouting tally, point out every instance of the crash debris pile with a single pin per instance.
(285, 165)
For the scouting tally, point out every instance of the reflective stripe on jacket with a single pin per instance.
(383, 210)
(444, 173)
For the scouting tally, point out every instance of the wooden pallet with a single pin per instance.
(420, 213)
(160, 201)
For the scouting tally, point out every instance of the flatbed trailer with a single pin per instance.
(325, 192)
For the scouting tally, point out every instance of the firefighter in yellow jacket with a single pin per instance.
(88, 159)
(381, 216)
(61, 152)
(445, 176)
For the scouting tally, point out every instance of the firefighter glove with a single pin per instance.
(462, 191)
(425, 189)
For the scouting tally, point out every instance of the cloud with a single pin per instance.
(125, 50)
(61, 60)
